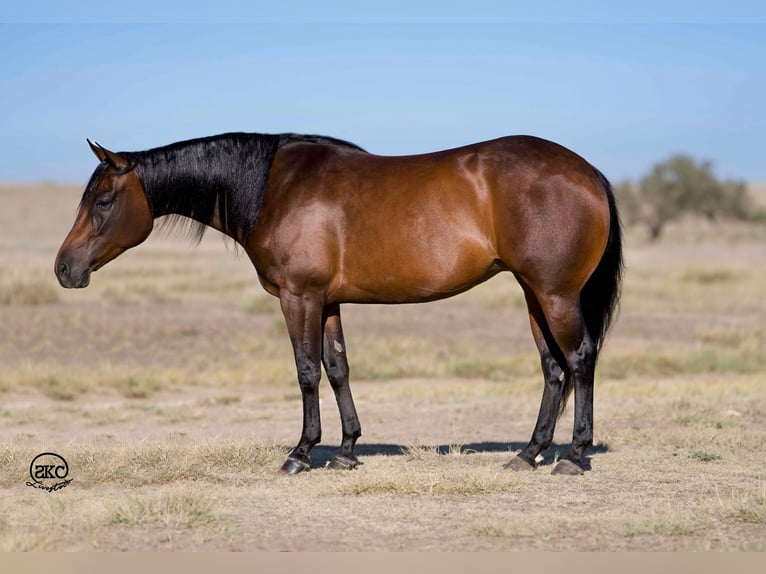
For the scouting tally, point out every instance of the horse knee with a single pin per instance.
(337, 373)
(309, 375)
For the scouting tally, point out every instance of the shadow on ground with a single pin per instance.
(321, 454)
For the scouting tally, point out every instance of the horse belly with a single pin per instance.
(426, 260)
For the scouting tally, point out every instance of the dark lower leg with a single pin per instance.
(555, 381)
(567, 340)
(582, 435)
(346, 459)
(308, 378)
(312, 428)
(303, 316)
(542, 436)
(582, 363)
(350, 426)
(336, 366)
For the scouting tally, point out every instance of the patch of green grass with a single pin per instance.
(703, 456)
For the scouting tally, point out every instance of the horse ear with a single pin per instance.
(97, 150)
(114, 159)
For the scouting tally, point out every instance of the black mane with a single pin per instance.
(229, 171)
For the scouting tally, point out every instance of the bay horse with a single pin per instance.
(324, 223)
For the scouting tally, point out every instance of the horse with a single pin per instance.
(324, 223)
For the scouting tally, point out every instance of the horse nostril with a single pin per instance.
(63, 270)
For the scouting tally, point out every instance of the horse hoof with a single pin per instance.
(343, 463)
(519, 464)
(567, 467)
(294, 466)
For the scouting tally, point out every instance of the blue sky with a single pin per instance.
(624, 88)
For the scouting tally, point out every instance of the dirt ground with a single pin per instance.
(168, 385)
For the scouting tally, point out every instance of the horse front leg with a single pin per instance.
(303, 315)
(336, 367)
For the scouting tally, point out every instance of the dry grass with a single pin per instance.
(84, 521)
(169, 387)
(228, 495)
(34, 290)
(177, 510)
(748, 508)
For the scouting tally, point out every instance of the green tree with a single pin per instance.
(679, 186)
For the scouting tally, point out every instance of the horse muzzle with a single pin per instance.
(72, 276)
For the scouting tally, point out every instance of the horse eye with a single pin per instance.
(104, 202)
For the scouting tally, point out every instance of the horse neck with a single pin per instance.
(217, 182)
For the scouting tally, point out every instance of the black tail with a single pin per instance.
(601, 293)
(600, 296)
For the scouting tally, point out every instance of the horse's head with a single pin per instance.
(114, 216)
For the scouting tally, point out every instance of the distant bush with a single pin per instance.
(679, 186)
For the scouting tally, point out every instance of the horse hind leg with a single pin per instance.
(556, 387)
(572, 353)
(568, 327)
(336, 367)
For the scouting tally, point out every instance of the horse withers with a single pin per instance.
(326, 223)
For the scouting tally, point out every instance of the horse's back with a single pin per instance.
(419, 227)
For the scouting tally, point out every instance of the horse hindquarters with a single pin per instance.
(571, 289)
